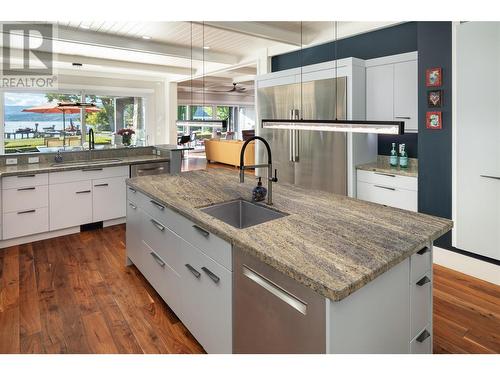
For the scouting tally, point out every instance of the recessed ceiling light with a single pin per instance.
(85, 26)
(206, 47)
(147, 37)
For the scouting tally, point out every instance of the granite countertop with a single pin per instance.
(382, 166)
(330, 243)
(20, 169)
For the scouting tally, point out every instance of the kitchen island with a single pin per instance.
(351, 259)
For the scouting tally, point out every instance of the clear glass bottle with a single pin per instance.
(393, 159)
(403, 157)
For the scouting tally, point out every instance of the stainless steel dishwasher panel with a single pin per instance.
(272, 313)
(147, 169)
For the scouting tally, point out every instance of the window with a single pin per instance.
(38, 131)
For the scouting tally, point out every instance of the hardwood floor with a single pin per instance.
(73, 294)
(466, 313)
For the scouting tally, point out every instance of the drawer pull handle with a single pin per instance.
(423, 336)
(26, 176)
(150, 169)
(158, 225)
(157, 259)
(403, 117)
(83, 192)
(423, 251)
(202, 231)
(385, 174)
(132, 190)
(26, 212)
(101, 185)
(424, 280)
(133, 206)
(91, 169)
(26, 188)
(385, 187)
(158, 205)
(193, 271)
(276, 290)
(493, 177)
(210, 274)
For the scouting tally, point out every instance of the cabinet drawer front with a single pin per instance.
(422, 343)
(207, 300)
(420, 263)
(163, 241)
(388, 179)
(389, 196)
(70, 204)
(26, 180)
(109, 197)
(26, 222)
(215, 247)
(162, 277)
(420, 311)
(25, 198)
(88, 173)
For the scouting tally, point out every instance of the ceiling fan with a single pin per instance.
(235, 88)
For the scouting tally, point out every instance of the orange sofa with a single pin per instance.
(228, 151)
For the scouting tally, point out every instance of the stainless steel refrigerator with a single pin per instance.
(312, 159)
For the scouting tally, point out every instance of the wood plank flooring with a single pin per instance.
(73, 294)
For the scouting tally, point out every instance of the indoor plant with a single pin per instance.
(126, 134)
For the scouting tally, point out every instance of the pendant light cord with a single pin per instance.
(336, 68)
(203, 56)
(192, 100)
(301, 79)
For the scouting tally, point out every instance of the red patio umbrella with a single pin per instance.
(64, 108)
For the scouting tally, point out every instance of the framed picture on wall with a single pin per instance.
(433, 77)
(435, 98)
(433, 120)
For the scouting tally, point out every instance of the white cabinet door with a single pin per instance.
(380, 92)
(70, 204)
(405, 94)
(109, 198)
(478, 138)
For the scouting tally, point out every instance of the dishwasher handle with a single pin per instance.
(276, 290)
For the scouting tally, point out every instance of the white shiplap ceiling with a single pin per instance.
(230, 44)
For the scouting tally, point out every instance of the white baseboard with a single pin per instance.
(38, 237)
(470, 266)
(112, 222)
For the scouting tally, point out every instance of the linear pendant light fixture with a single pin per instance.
(346, 126)
(212, 123)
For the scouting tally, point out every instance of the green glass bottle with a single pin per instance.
(403, 157)
(393, 159)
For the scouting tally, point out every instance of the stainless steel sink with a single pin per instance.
(85, 162)
(242, 214)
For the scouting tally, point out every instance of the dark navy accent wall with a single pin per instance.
(385, 42)
(435, 146)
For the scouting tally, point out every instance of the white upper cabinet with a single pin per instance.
(405, 94)
(392, 88)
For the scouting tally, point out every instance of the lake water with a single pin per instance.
(12, 126)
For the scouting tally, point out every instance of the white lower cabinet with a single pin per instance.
(388, 189)
(195, 286)
(70, 204)
(109, 197)
(25, 222)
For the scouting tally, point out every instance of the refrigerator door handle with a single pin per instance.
(291, 143)
(296, 146)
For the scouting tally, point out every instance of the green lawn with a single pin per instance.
(30, 144)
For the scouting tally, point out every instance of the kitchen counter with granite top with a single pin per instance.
(330, 243)
(382, 166)
(23, 169)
